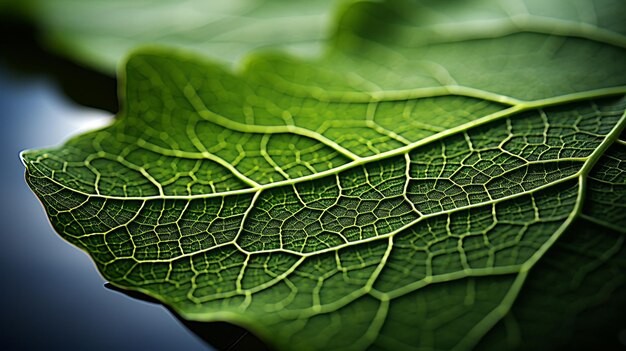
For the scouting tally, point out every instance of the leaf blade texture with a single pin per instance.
(389, 195)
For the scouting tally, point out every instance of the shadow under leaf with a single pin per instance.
(220, 335)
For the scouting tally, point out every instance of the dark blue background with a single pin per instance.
(52, 296)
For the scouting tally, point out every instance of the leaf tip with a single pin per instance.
(24, 157)
(28, 157)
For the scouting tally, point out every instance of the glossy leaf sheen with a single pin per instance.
(430, 189)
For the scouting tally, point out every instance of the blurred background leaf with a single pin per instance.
(100, 33)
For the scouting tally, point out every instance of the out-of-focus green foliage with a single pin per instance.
(101, 33)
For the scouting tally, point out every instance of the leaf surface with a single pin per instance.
(405, 191)
(101, 33)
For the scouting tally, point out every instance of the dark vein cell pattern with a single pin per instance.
(306, 236)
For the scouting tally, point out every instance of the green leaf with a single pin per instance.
(410, 190)
(101, 33)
